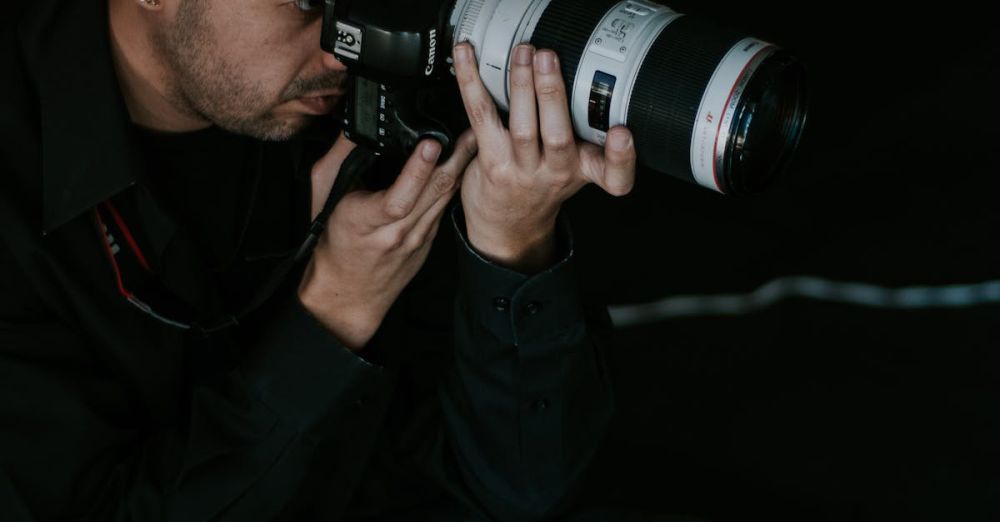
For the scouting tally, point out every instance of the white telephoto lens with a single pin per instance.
(687, 88)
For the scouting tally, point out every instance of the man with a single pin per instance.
(158, 163)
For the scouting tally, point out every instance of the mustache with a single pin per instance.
(329, 81)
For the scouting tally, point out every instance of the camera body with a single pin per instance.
(402, 83)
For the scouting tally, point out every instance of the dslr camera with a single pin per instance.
(705, 103)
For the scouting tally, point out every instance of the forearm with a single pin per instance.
(527, 401)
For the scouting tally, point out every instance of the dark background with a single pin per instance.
(808, 410)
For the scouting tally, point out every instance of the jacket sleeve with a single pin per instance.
(239, 452)
(527, 401)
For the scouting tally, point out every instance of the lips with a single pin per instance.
(324, 93)
(321, 102)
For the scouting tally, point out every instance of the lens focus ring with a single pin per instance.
(565, 28)
(669, 90)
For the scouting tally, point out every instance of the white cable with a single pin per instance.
(853, 293)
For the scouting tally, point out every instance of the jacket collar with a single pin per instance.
(88, 154)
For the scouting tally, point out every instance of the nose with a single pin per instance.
(331, 62)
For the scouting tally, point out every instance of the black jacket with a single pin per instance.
(110, 414)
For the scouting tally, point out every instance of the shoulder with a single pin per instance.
(19, 121)
(20, 162)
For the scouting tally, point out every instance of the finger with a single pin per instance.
(425, 228)
(613, 168)
(479, 106)
(523, 109)
(325, 171)
(446, 178)
(396, 202)
(555, 124)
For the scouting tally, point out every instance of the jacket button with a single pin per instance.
(502, 304)
(540, 405)
(533, 308)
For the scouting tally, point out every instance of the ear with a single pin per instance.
(152, 5)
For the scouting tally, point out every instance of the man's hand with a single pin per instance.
(513, 190)
(376, 242)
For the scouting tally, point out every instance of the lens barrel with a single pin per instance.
(704, 102)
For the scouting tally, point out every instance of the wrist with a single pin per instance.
(353, 325)
(529, 251)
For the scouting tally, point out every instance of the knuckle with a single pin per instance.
(394, 209)
(559, 143)
(562, 177)
(410, 244)
(355, 224)
(414, 241)
(549, 91)
(480, 114)
(443, 183)
(500, 174)
(523, 135)
(466, 76)
(393, 238)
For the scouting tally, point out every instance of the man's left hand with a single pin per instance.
(513, 190)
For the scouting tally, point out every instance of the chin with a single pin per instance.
(279, 128)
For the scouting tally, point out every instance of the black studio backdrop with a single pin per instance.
(809, 409)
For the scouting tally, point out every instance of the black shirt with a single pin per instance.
(237, 201)
(111, 414)
(204, 182)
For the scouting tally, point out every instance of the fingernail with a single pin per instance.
(462, 53)
(523, 55)
(620, 141)
(546, 61)
(430, 151)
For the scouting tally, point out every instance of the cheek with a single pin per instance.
(270, 74)
(265, 51)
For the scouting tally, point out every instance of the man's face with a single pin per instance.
(253, 67)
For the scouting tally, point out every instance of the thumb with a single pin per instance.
(325, 171)
(612, 167)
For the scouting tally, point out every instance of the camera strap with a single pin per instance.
(111, 224)
(360, 160)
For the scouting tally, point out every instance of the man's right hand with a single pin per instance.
(375, 242)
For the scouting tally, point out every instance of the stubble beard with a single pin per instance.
(207, 86)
